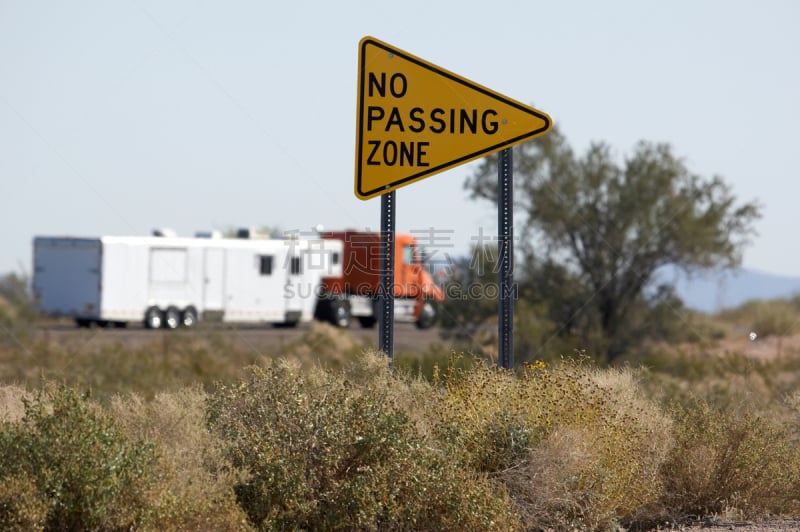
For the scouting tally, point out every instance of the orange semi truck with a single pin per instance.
(355, 293)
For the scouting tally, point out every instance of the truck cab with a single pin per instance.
(355, 293)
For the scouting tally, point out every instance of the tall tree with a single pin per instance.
(613, 225)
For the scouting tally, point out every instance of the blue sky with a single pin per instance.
(119, 116)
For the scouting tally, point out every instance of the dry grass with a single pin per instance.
(195, 488)
(12, 407)
(164, 361)
(574, 445)
(707, 429)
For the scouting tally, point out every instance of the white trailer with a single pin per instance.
(170, 282)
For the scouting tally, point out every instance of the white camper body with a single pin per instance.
(168, 281)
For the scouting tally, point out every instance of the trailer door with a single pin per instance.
(294, 282)
(214, 279)
(295, 288)
(66, 279)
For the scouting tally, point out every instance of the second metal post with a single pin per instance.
(505, 250)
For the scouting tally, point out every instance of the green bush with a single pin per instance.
(331, 450)
(65, 466)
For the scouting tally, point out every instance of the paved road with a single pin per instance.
(406, 336)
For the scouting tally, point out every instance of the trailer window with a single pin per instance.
(265, 264)
(296, 266)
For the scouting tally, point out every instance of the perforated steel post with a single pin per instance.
(505, 250)
(386, 294)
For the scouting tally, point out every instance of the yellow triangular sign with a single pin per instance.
(416, 119)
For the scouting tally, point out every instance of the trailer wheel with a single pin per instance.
(427, 315)
(153, 318)
(340, 314)
(172, 318)
(189, 317)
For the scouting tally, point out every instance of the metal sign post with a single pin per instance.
(505, 257)
(386, 293)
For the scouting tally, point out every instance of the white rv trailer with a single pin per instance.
(170, 282)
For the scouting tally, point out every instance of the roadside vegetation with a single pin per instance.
(194, 432)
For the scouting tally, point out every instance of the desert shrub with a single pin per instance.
(488, 418)
(73, 468)
(17, 314)
(12, 402)
(328, 451)
(729, 460)
(8, 312)
(575, 446)
(323, 344)
(15, 299)
(723, 380)
(22, 507)
(538, 333)
(693, 368)
(424, 364)
(193, 487)
(774, 317)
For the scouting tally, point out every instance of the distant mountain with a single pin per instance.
(716, 291)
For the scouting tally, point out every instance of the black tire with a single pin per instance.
(340, 314)
(189, 317)
(83, 323)
(322, 311)
(428, 315)
(172, 318)
(153, 318)
(367, 322)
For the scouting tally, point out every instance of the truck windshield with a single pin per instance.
(408, 254)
